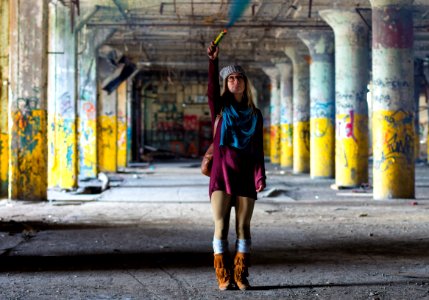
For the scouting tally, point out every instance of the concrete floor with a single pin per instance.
(149, 237)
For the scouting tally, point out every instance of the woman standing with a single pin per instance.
(238, 171)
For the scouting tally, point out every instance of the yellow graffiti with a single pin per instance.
(275, 144)
(351, 160)
(28, 178)
(393, 155)
(107, 143)
(322, 143)
(301, 147)
(286, 145)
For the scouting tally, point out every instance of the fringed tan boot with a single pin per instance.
(223, 273)
(241, 272)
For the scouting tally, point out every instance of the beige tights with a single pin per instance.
(221, 207)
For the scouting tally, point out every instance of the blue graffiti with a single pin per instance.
(391, 84)
(322, 110)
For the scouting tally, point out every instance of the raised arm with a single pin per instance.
(213, 88)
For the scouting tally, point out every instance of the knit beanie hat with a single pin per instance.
(228, 70)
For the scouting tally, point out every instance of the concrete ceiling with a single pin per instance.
(174, 34)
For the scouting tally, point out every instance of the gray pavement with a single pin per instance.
(149, 237)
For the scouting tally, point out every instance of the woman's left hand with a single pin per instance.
(260, 188)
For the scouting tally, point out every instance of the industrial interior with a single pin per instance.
(97, 85)
(93, 90)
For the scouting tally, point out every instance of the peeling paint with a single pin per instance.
(392, 27)
(28, 100)
(393, 141)
(28, 154)
(393, 102)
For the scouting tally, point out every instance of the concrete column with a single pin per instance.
(28, 176)
(107, 122)
(351, 81)
(88, 43)
(301, 108)
(4, 100)
(393, 108)
(122, 125)
(322, 102)
(274, 75)
(62, 154)
(286, 115)
(107, 136)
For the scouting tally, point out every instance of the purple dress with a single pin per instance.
(234, 171)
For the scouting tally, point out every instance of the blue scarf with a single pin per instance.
(238, 126)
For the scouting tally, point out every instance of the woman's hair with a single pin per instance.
(247, 94)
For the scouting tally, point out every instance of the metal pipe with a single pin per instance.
(86, 18)
(317, 25)
(358, 10)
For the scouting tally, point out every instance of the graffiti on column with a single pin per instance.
(346, 100)
(28, 147)
(345, 127)
(66, 107)
(322, 110)
(122, 125)
(89, 110)
(304, 135)
(397, 140)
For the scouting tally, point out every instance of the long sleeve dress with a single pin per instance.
(238, 172)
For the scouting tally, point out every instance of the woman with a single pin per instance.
(238, 170)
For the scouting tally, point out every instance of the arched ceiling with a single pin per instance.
(174, 34)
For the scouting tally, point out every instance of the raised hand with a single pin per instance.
(213, 51)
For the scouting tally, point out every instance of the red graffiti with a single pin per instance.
(350, 127)
(89, 108)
